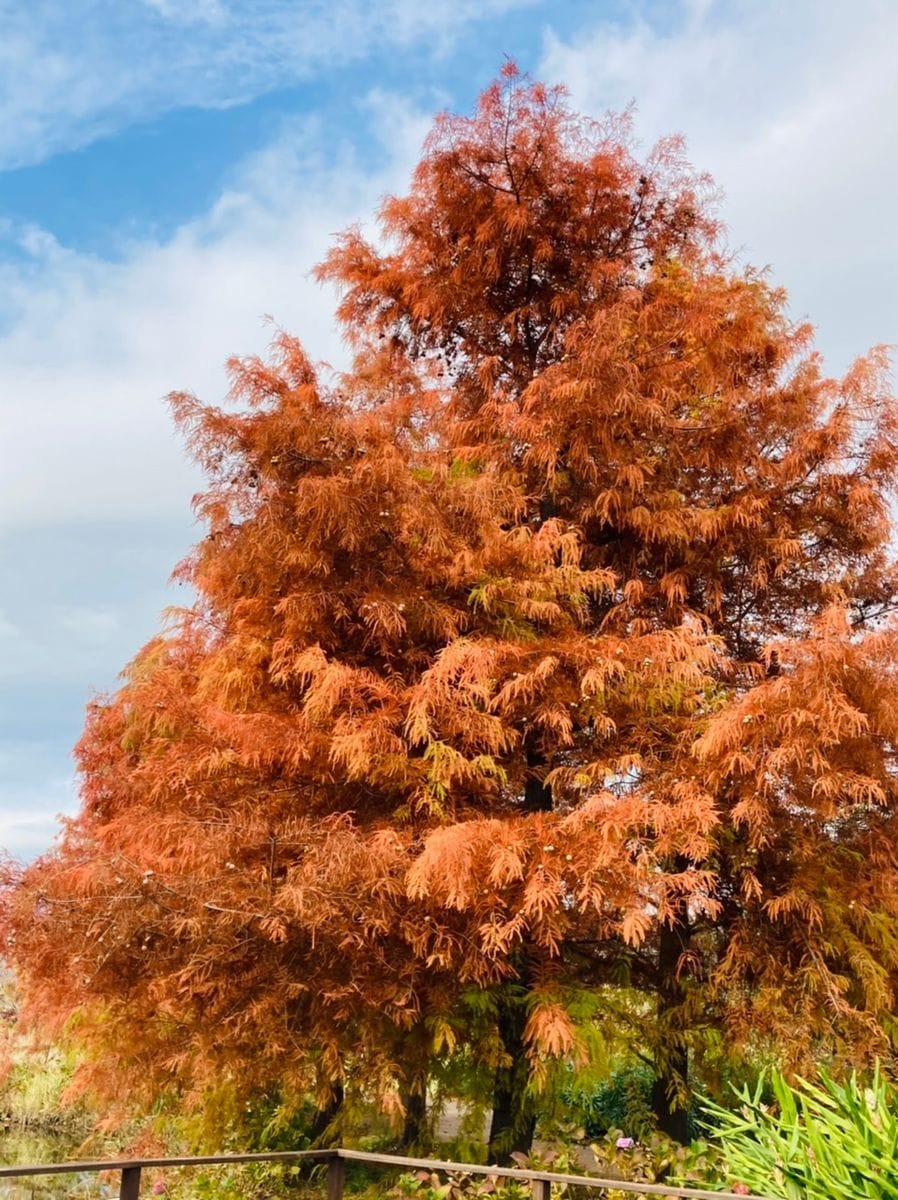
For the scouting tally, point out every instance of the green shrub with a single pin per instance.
(824, 1141)
(621, 1102)
(427, 1185)
(624, 1101)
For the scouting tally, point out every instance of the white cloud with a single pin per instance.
(91, 346)
(29, 824)
(94, 486)
(189, 12)
(88, 623)
(70, 73)
(793, 109)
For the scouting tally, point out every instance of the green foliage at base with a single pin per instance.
(623, 1101)
(823, 1141)
(428, 1185)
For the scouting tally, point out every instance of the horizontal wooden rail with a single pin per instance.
(123, 1164)
(593, 1181)
(540, 1181)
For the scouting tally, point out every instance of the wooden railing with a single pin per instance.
(336, 1160)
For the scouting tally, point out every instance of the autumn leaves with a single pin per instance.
(544, 652)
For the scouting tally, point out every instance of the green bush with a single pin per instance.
(427, 1185)
(624, 1101)
(823, 1141)
(621, 1102)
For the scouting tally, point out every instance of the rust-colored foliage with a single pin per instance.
(549, 644)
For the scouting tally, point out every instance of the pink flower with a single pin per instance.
(159, 1187)
(625, 1143)
(741, 1189)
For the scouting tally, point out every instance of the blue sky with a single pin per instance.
(170, 170)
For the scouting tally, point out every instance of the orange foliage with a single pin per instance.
(550, 642)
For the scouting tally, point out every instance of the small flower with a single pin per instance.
(159, 1187)
(741, 1189)
(625, 1143)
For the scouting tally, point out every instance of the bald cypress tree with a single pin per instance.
(548, 648)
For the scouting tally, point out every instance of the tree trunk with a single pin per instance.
(414, 1128)
(672, 1058)
(320, 1133)
(413, 1053)
(514, 1121)
(672, 1117)
(537, 794)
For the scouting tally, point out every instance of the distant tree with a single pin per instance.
(547, 649)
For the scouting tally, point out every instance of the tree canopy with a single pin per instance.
(548, 649)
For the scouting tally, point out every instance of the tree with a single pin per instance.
(546, 649)
(658, 404)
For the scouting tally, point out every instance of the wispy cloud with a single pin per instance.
(92, 346)
(793, 108)
(189, 12)
(95, 490)
(70, 73)
(29, 823)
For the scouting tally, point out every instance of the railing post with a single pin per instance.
(541, 1188)
(130, 1185)
(336, 1177)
